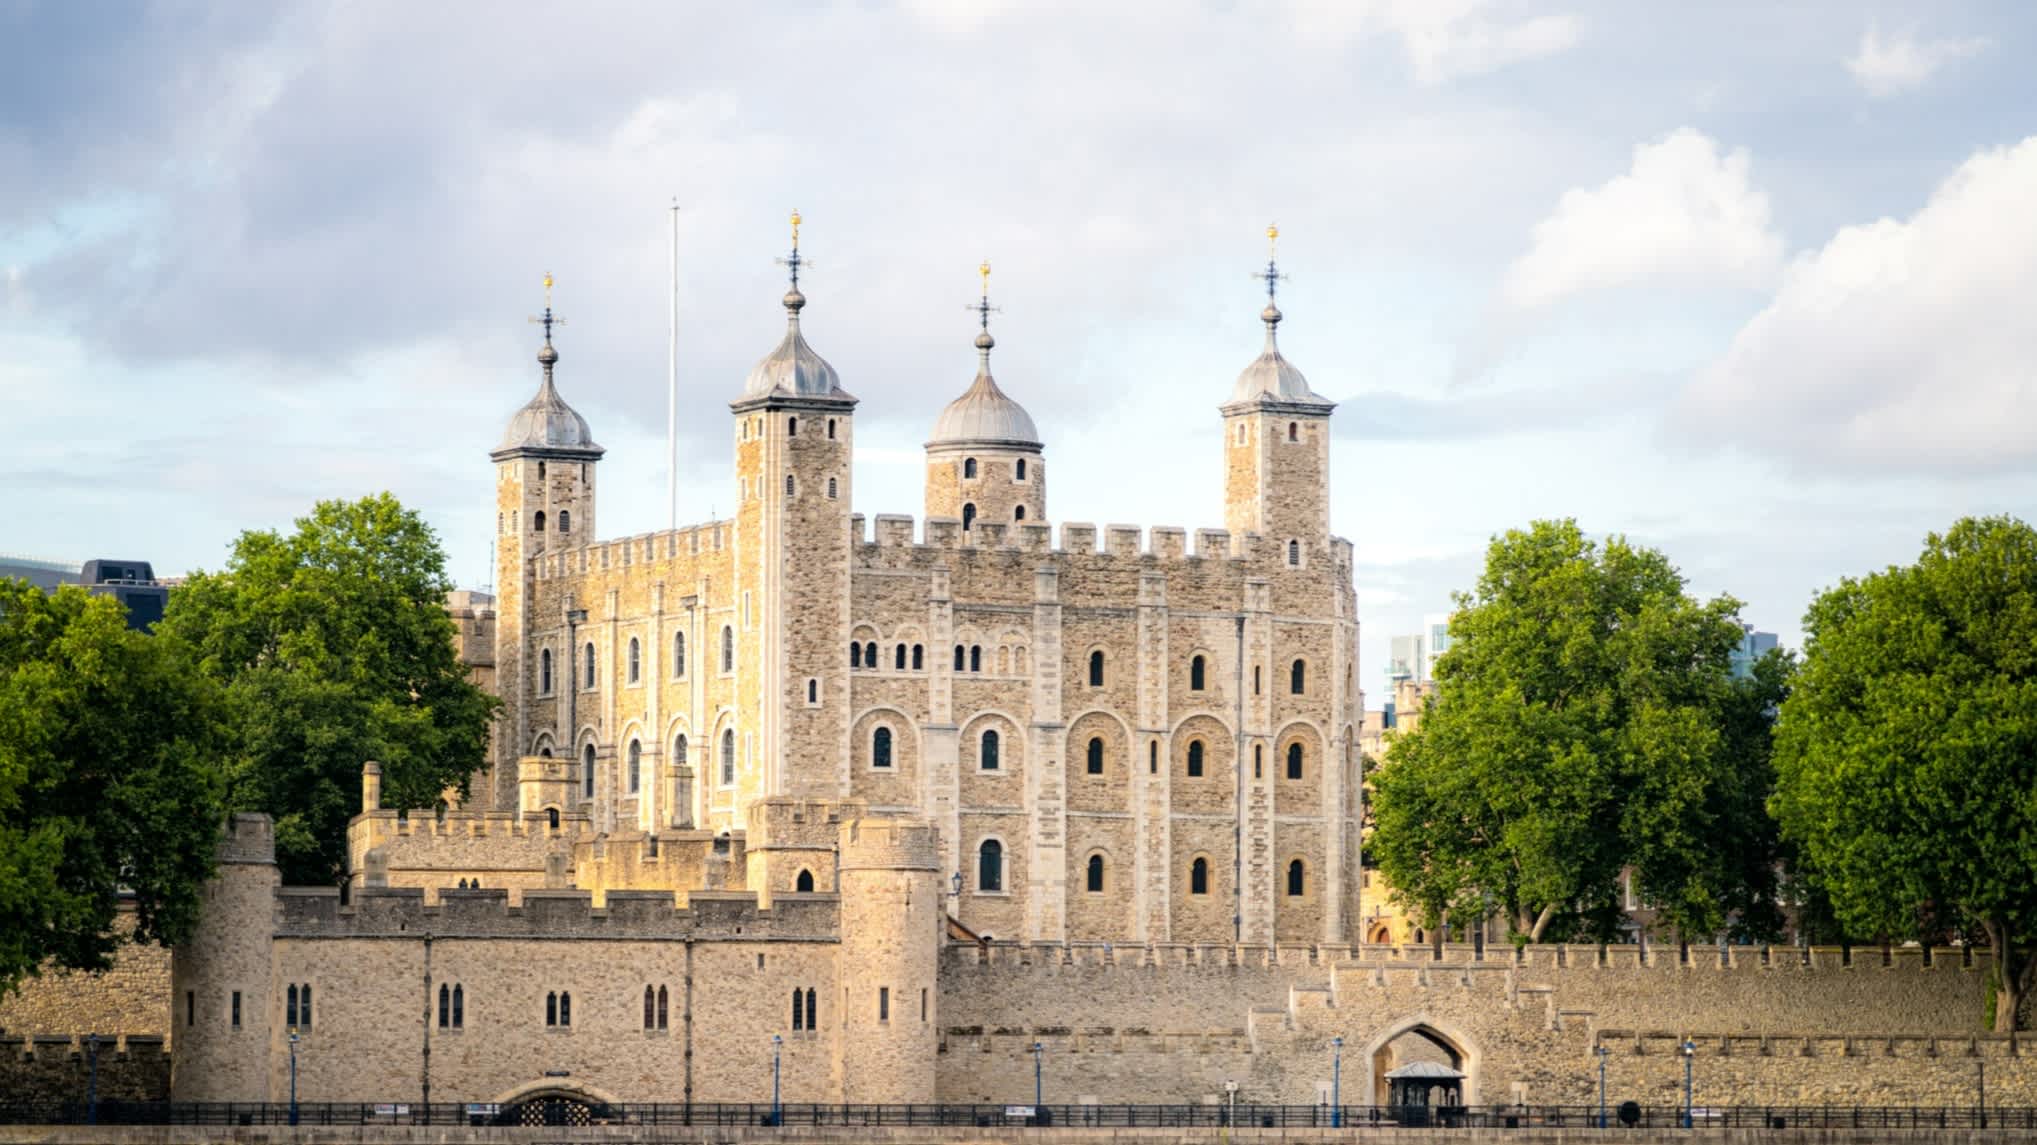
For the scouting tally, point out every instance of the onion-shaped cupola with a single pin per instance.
(1271, 379)
(793, 369)
(546, 425)
(985, 415)
(983, 459)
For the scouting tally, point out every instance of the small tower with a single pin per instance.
(794, 432)
(1277, 447)
(544, 500)
(890, 952)
(983, 460)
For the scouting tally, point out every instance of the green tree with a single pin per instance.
(108, 782)
(1906, 755)
(333, 647)
(1584, 723)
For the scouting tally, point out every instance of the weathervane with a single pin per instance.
(1271, 274)
(984, 310)
(793, 261)
(547, 321)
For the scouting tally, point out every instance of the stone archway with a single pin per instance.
(552, 1103)
(1418, 1038)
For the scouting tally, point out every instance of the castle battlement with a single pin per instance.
(388, 912)
(387, 823)
(639, 549)
(1157, 544)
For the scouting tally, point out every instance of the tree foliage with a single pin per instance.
(1585, 722)
(333, 647)
(1906, 755)
(108, 782)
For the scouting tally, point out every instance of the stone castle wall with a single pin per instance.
(132, 997)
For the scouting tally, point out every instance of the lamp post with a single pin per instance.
(1337, 1082)
(1039, 1052)
(1601, 1052)
(92, 1085)
(1981, 1075)
(1689, 1052)
(955, 895)
(777, 1107)
(1230, 1104)
(293, 1075)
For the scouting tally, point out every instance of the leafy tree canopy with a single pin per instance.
(1906, 756)
(333, 647)
(1585, 722)
(108, 782)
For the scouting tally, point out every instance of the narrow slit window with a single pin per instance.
(988, 760)
(1093, 764)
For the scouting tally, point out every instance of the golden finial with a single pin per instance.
(795, 228)
(1272, 238)
(984, 270)
(548, 290)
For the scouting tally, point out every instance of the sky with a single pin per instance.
(1750, 283)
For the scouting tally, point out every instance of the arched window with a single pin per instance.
(791, 486)
(1294, 554)
(679, 750)
(587, 771)
(976, 657)
(792, 427)
(565, 1007)
(636, 660)
(1296, 879)
(541, 471)
(987, 759)
(969, 467)
(870, 654)
(545, 672)
(855, 654)
(1096, 669)
(636, 766)
(812, 691)
(1198, 674)
(1294, 761)
(1297, 677)
(1198, 877)
(290, 1014)
(1019, 514)
(1095, 756)
(565, 520)
(538, 522)
(459, 1006)
(1094, 876)
(880, 747)
(728, 648)
(798, 1009)
(728, 757)
(551, 1008)
(445, 1006)
(664, 1009)
(1019, 470)
(1195, 759)
(990, 866)
(804, 884)
(919, 655)
(1293, 431)
(898, 658)
(650, 1008)
(552, 818)
(812, 1009)
(959, 654)
(831, 429)
(834, 490)
(587, 659)
(968, 516)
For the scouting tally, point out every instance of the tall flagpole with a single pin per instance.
(672, 387)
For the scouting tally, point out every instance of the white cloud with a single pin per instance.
(1446, 39)
(1901, 345)
(1886, 66)
(1683, 212)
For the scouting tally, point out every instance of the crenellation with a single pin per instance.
(1078, 538)
(1124, 540)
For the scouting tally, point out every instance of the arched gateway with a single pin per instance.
(553, 1103)
(1433, 1049)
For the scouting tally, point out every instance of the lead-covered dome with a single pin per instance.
(793, 369)
(1271, 378)
(546, 424)
(985, 414)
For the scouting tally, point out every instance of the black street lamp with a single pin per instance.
(1039, 1051)
(1689, 1052)
(92, 1084)
(777, 1107)
(1337, 1082)
(1601, 1053)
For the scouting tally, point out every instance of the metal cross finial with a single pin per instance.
(793, 262)
(983, 308)
(547, 321)
(1271, 274)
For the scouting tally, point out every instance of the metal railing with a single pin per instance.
(566, 1111)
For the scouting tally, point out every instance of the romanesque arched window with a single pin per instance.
(976, 657)
(1297, 677)
(1018, 470)
(565, 520)
(969, 467)
(290, 1014)
(990, 866)
(587, 665)
(552, 818)
(791, 487)
(834, 490)
(728, 757)
(959, 653)
(445, 1006)
(812, 1009)
(792, 427)
(1294, 554)
(664, 1009)
(919, 655)
(552, 1008)
(459, 1006)
(538, 521)
(1294, 761)
(636, 766)
(812, 690)
(798, 1009)
(636, 660)
(1018, 513)
(1195, 759)
(545, 672)
(1296, 879)
(728, 648)
(968, 517)
(678, 654)
(565, 1007)
(804, 884)
(855, 654)
(1198, 674)
(1093, 877)
(870, 654)
(1293, 431)
(1094, 762)
(587, 770)
(880, 747)
(650, 1008)
(1198, 877)
(987, 759)
(898, 658)
(831, 429)
(1096, 669)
